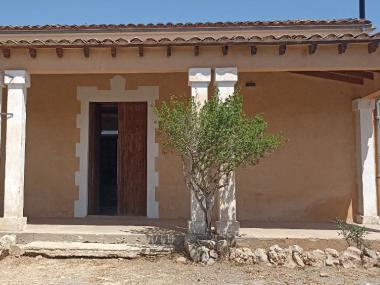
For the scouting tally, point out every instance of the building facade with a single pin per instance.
(79, 137)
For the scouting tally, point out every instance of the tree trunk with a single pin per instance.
(208, 215)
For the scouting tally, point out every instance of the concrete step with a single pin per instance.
(93, 250)
(139, 238)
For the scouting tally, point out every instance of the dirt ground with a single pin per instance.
(31, 270)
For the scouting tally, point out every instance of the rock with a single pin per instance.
(204, 254)
(261, 255)
(210, 262)
(314, 258)
(181, 259)
(16, 250)
(369, 262)
(323, 274)
(298, 259)
(7, 240)
(370, 253)
(213, 254)
(351, 257)
(277, 255)
(3, 253)
(244, 255)
(222, 248)
(192, 251)
(210, 244)
(332, 257)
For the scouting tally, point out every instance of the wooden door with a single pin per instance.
(132, 158)
(93, 170)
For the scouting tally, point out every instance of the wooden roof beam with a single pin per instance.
(196, 50)
(6, 52)
(356, 73)
(332, 76)
(113, 51)
(342, 48)
(33, 52)
(141, 51)
(86, 51)
(59, 52)
(313, 48)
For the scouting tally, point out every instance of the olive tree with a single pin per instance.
(212, 140)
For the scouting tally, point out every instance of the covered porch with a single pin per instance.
(321, 93)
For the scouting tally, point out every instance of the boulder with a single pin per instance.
(204, 253)
(314, 258)
(213, 254)
(7, 240)
(297, 256)
(244, 255)
(370, 253)
(277, 255)
(192, 251)
(261, 255)
(16, 250)
(351, 257)
(332, 257)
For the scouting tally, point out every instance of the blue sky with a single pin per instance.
(31, 12)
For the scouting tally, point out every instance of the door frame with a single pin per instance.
(117, 93)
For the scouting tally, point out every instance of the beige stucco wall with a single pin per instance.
(311, 178)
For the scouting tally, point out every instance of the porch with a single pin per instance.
(171, 232)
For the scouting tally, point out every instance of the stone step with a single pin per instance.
(93, 250)
(172, 239)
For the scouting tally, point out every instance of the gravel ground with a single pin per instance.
(29, 270)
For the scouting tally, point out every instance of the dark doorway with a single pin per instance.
(118, 159)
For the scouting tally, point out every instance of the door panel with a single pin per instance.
(93, 169)
(132, 158)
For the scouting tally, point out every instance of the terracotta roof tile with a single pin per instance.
(236, 40)
(186, 25)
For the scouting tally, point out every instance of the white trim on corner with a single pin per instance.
(117, 93)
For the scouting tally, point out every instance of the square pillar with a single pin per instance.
(225, 80)
(366, 162)
(199, 80)
(17, 82)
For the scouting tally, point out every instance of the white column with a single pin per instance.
(17, 82)
(366, 164)
(225, 80)
(199, 80)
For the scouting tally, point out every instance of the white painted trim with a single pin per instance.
(366, 160)
(117, 93)
(225, 80)
(199, 80)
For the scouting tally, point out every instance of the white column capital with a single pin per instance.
(199, 76)
(226, 75)
(17, 77)
(364, 104)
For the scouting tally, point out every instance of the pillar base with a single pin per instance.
(369, 220)
(196, 227)
(227, 227)
(13, 224)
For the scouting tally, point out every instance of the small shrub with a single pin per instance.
(353, 234)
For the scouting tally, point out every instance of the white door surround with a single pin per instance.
(117, 93)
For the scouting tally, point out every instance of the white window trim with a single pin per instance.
(117, 93)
